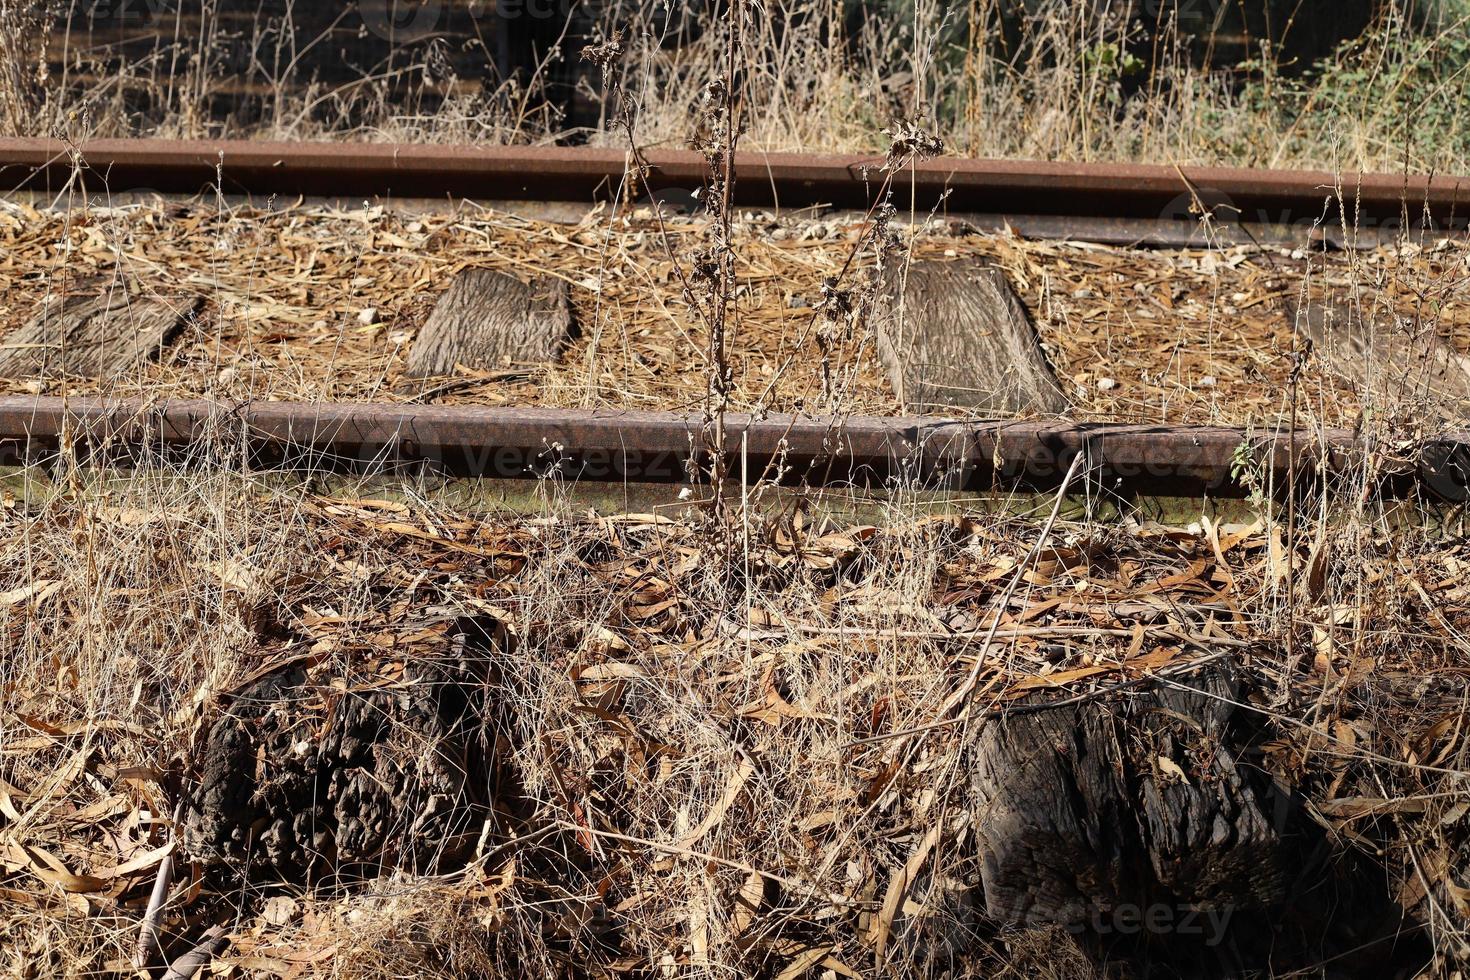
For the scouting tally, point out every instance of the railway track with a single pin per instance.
(1111, 203)
(1107, 202)
(656, 447)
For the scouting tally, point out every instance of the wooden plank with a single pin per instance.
(1075, 812)
(259, 805)
(1392, 368)
(487, 320)
(954, 335)
(93, 331)
(1117, 814)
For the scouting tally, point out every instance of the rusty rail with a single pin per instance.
(635, 446)
(1121, 201)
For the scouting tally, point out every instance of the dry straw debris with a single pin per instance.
(695, 779)
(1147, 335)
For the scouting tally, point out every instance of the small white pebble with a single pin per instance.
(399, 337)
(950, 253)
(685, 493)
(1208, 381)
(1106, 384)
(368, 316)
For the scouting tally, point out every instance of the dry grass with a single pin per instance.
(1049, 79)
(679, 739)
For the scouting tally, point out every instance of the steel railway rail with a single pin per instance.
(1101, 202)
(655, 447)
